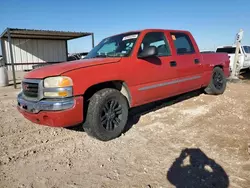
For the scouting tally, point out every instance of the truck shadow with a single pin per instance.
(245, 75)
(194, 169)
(17, 83)
(136, 113)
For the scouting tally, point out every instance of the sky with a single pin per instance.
(213, 23)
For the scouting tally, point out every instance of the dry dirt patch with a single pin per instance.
(219, 126)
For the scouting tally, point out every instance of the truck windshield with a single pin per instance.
(228, 50)
(115, 46)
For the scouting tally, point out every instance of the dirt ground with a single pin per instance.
(186, 141)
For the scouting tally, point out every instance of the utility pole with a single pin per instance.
(238, 39)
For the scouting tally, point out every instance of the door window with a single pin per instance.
(182, 43)
(158, 40)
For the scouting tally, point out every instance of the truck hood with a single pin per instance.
(60, 68)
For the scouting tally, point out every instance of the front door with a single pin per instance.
(154, 81)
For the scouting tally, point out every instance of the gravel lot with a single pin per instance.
(191, 140)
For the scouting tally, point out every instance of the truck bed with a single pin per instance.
(212, 59)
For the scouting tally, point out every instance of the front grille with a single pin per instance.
(30, 89)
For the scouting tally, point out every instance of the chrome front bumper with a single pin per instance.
(44, 105)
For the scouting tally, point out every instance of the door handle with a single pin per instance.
(196, 61)
(173, 63)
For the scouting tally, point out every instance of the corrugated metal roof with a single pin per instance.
(43, 34)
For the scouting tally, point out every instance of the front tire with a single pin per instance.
(107, 114)
(217, 83)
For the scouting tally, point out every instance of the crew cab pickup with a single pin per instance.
(121, 72)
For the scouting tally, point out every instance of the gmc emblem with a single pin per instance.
(25, 87)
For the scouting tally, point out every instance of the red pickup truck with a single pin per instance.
(122, 71)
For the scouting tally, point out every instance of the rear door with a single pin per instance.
(246, 50)
(188, 61)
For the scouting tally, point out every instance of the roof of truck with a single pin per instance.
(150, 30)
(230, 46)
(155, 29)
(227, 46)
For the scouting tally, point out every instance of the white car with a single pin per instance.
(244, 55)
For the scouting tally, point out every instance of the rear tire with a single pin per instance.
(217, 83)
(107, 115)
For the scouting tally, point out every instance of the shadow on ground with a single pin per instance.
(194, 169)
(12, 84)
(245, 75)
(136, 113)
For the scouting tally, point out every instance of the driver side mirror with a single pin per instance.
(150, 51)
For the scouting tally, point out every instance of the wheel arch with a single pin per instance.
(115, 84)
(220, 66)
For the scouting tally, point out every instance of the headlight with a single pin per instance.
(59, 81)
(58, 87)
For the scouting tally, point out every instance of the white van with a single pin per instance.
(244, 55)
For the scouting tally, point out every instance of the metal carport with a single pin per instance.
(23, 48)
